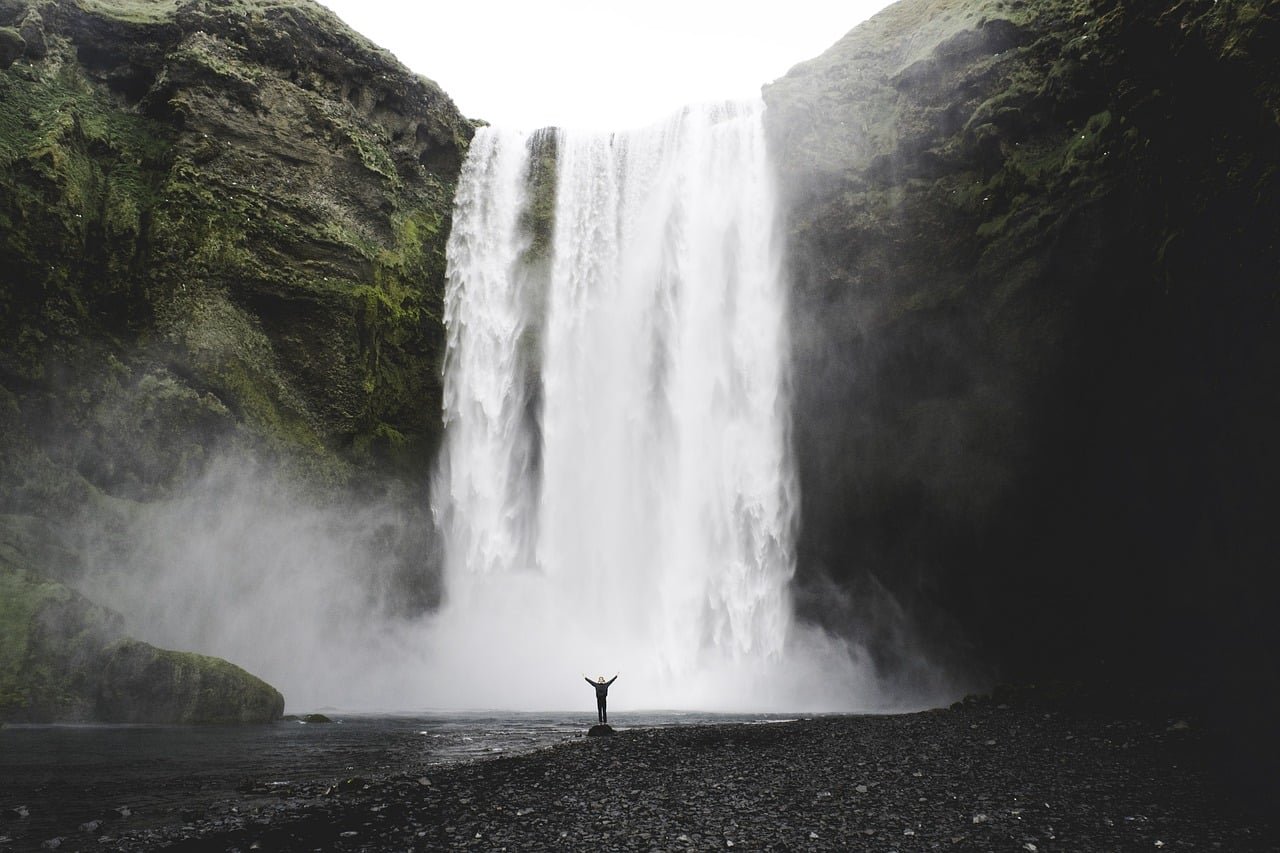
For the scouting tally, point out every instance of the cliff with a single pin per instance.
(222, 229)
(1034, 250)
(233, 213)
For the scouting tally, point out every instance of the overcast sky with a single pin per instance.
(599, 63)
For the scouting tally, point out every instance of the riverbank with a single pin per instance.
(1023, 775)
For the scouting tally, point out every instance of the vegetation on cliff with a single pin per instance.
(246, 201)
(222, 230)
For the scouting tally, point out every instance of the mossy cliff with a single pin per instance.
(235, 211)
(1035, 249)
(222, 230)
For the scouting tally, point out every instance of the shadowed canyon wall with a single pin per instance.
(1035, 251)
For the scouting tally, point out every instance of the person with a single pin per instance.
(602, 694)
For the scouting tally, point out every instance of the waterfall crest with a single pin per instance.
(616, 489)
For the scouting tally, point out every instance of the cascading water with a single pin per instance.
(615, 490)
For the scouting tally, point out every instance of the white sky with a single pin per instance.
(601, 64)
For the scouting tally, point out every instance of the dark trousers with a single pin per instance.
(604, 716)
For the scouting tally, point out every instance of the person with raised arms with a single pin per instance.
(602, 693)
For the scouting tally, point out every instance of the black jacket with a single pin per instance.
(602, 688)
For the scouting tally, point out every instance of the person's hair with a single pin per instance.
(601, 678)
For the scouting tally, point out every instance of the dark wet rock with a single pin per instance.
(316, 718)
(32, 31)
(1033, 248)
(601, 730)
(12, 46)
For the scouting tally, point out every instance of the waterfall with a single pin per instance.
(615, 488)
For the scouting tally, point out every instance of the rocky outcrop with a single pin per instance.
(141, 683)
(1034, 248)
(65, 659)
(220, 221)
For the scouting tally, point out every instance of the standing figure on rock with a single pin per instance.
(602, 694)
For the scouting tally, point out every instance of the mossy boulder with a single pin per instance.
(50, 641)
(65, 659)
(141, 683)
(1034, 251)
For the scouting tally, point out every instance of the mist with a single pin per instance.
(247, 564)
(312, 595)
(616, 492)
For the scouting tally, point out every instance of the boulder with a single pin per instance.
(143, 684)
(65, 659)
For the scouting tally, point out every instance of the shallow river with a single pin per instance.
(66, 775)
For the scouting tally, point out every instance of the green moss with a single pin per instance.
(223, 60)
(539, 215)
(373, 154)
(62, 658)
(132, 11)
(49, 636)
(113, 226)
(145, 684)
(77, 177)
(21, 597)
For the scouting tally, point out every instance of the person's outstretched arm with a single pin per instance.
(589, 681)
(611, 680)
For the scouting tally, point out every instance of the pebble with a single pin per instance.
(744, 785)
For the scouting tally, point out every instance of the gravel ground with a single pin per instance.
(980, 776)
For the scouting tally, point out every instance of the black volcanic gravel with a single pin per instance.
(981, 776)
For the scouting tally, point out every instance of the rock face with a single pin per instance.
(220, 219)
(64, 659)
(1034, 250)
(222, 230)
